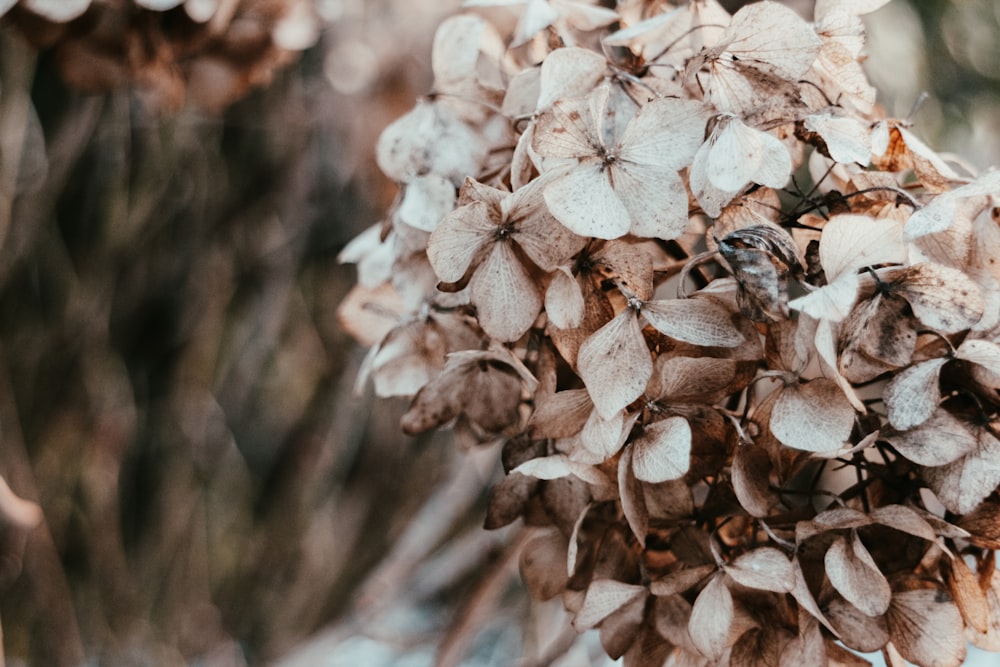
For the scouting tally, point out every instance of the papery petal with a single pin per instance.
(584, 201)
(458, 239)
(615, 364)
(506, 297)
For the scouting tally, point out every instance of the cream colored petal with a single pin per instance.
(507, 300)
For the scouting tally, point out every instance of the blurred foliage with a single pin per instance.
(176, 393)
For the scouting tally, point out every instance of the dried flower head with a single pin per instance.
(763, 420)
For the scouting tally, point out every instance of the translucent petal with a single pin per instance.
(663, 451)
(506, 297)
(584, 201)
(615, 364)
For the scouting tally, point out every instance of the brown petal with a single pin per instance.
(681, 581)
(633, 502)
(764, 568)
(927, 628)
(962, 484)
(508, 500)
(939, 440)
(543, 565)
(969, 597)
(751, 473)
(942, 298)
(615, 364)
(854, 574)
(704, 322)
(856, 629)
(604, 597)
(622, 627)
(983, 524)
(711, 618)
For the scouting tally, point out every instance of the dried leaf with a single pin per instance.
(903, 519)
(542, 565)
(980, 352)
(962, 484)
(941, 212)
(557, 466)
(983, 525)
(879, 335)
(926, 627)
(808, 648)
(912, 396)
(564, 301)
(604, 597)
(561, 414)
(672, 617)
(751, 473)
(702, 321)
(508, 500)
(692, 379)
(856, 629)
(942, 298)
(615, 364)
(681, 581)
(506, 297)
(938, 441)
(846, 139)
(804, 597)
(759, 646)
(830, 302)
(663, 451)
(990, 640)
(430, 139)
(712, 617)
(964, 587)
(764, 568)
(426, 200)
(854, 574)
(813, 417)
(632, 500)
(763, 279)
(567, 73)
(734, 156)
(620, 630)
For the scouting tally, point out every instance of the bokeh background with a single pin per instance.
(176, 392)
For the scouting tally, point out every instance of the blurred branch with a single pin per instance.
(17, 67)
(41, 559)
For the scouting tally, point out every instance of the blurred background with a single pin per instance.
(176, 393)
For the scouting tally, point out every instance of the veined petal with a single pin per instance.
(546, 242)
(656, 199)
(665, 133)
(711, 198)
(568, 130)
(615, 364)
(741, 154)
(663, 451)
(506, 298)
(457, 239)
(584, 201)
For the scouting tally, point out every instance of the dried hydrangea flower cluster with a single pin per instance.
(206, 52)
(756, 418)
